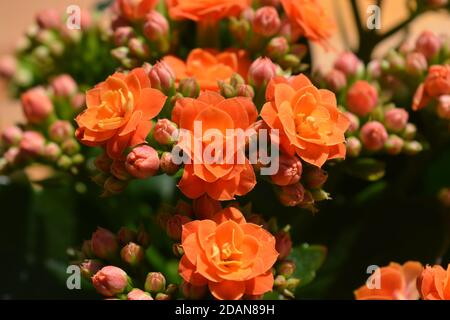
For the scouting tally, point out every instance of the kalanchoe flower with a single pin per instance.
(142, 162)
(428, 44)
(132, 254)
(167, 165)
(291, 195)
(155, 282)
(138, 294)
(36, 104)
(49, 19)
(396, 119)
(138, 48)
(64, 85)
(60, 131)
(362, 98)
(289, 172)
(416, 63)
(32, 143)
(110, 281)
(266, 21)
(433, 283)
(189, 88)
(104, 244)
(373, 135)
(261, 71)
(133, 10)
(11, 136)
(8, 67)
(162, 77)
(156, 26)
(165, 132)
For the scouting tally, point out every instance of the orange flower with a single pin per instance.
(209, 66)
(229, 255)
(119, 111)
(310, 17)
(434, 283)
(222, 179)
(307, 118)
(436, 84)
(396, 282)
(136, 9)
(205, 9)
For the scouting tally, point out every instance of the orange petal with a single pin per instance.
(188, 272)
(227, 214)
(191, 186)
(150, 103)
(283, 93)
(140, 134)
(259, 285)
(227, 290)
(247, 180)
(210, 97)
(131, 124)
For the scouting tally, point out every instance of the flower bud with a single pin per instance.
(8, 67)
(12, 156)
(126, 235)
(283, 244)
(64, 162)
(132, 254)
(193, 292)
(286, 268)
(292, 195)
(395, 61)
(155, 282)
(103, 163)
(104, 243)
(245, 90)
(428, 44)
(412, 148)
(277, 47)
(64, 86)
(162, 77)
(138, 48)
(374, 69)
(90, 267)
(119, 171)
(292, 284)
(443, 107)
(266, 21)
(114, 186)
(239, 29)
(396, 119)
(177, 250)
(86, 249)
(11, 136)
(261, 71)
(354, 122)
(416, 63)
(36, 104)
(142, 162)
(205, 207)
(348, 63)
(138, 294)
(48, 19)
(314, 177)
(289, 172)
(394, 145)
(167, 165)
(226, 90)
(189, 88)
(110, 281)
(61, 130)
(78, 101)
(336, 80)
(70, 147)
(165, 132)
(156, 26)
(162, 296)
(51, 151)
(174, 226)
(122, 35)
(373, 135)
(279, 282)
(32, 143)
(362, 98)
(258, 220)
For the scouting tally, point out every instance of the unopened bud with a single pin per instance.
(142, 162)
(104, 243)
(126, 235)
(226, 90)
(261, 71)
(103, 163)
(167, 165)
(165, 132)
(132, 254)
(162, 77)
(174, 226)
(11, 136)
(155, 282)
(394, 145)
(51, 151)
(70, 147)
(156, 26)
(114, 186)
(412, 147)
(110, 281)
(138, 294)
(119, 171)
(90, 267)
(60, 130)
(314, 177)
(292, 195)
(410, 131)
(189, 88)
(245, 90)
(283, 244)
(277, 47)
(286, 268)
(266, 21)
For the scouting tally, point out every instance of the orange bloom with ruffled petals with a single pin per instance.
(436, 84)
(308, 120)
(212, 10)
(310, 18)
(434, 283)
(136, 9)
(209, 66)
(119, 111)
(225, 178)
(232, 257)
(395, 282)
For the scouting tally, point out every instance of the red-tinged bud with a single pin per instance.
(283, 244)
(289, 172)
(165, 132)
(8, 67)
(11, 136)
(167, 165)
(396, 119)
(110, 281)
(336, 80)
(193, 292)
(142, 162)
(189, 88)
(236, 80)
(162, 77)
(286, 268)
(277, 47)
(48, 19)
(51, 151)
(429, 44)
(394, 145)
(266, 21)
(205, 207)
(138, 294)
(162, 296)
(245, 90)
(184, 208)
(143, 238)
(226, 90)
(354, 122)
(172, 289)
(36, 104)
(138, 48)
(443, 107)
(126, 235)
(261, 71)
(78, 101)
(90, 267)
(174, 226)
(314, 177)
(362, 98)
(119, 171)
(412, 148)
(86, 249)
(32, 143)
(132, 254)
(156, 26)
(374, 69)
(354, 147)
(416, 63)
(239, 29)
(373, 136)
(114, 186)
(292, 195)
(122, 35)
(103, 163)
(410, 131)
(104, 243)
(155, 282)
(61, 130)
(70, 147)
(64, 86)
(348, 63)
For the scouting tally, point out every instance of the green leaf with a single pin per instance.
(367, 168)
(308, 259)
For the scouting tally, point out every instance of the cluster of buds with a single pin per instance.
(237, 87)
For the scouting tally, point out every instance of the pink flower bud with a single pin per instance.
(289, 172)
(167, 165)
(245, 90)
(165, 132)
(64, 85)
(277, 47)
(428, 44)
(394, 145)
(373, 135)
(11, 136)
(103, 163)
(283, 244)
(70, 146)
(336, 80)
(396, 119)
(412, 148)
(374, 69)
(119, 171)
(261, 71)
(292, 195)
(189, 88)
(110, 281)
(104, 243)
(61, 130)
(49, 19)
(8, 67)
(142, 162)
(162, 77)
(32, 143)
(348, 63)
(354, 147)
(126, 235)
(138, 48)
(132, 254)
(410, 131)
(156, 26)
(155, 282)
(362, 98)
(314, 177)
(36, 104)
(138, 294)
(416, 63)
(286, 268)
(51, 151)
(122, 35)
(266, 21)
(205, 207)
(354, 122)
(78, 101)
(193, 292)
(174, 226)
(12, 156)
(90, 267)
(443, 107)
